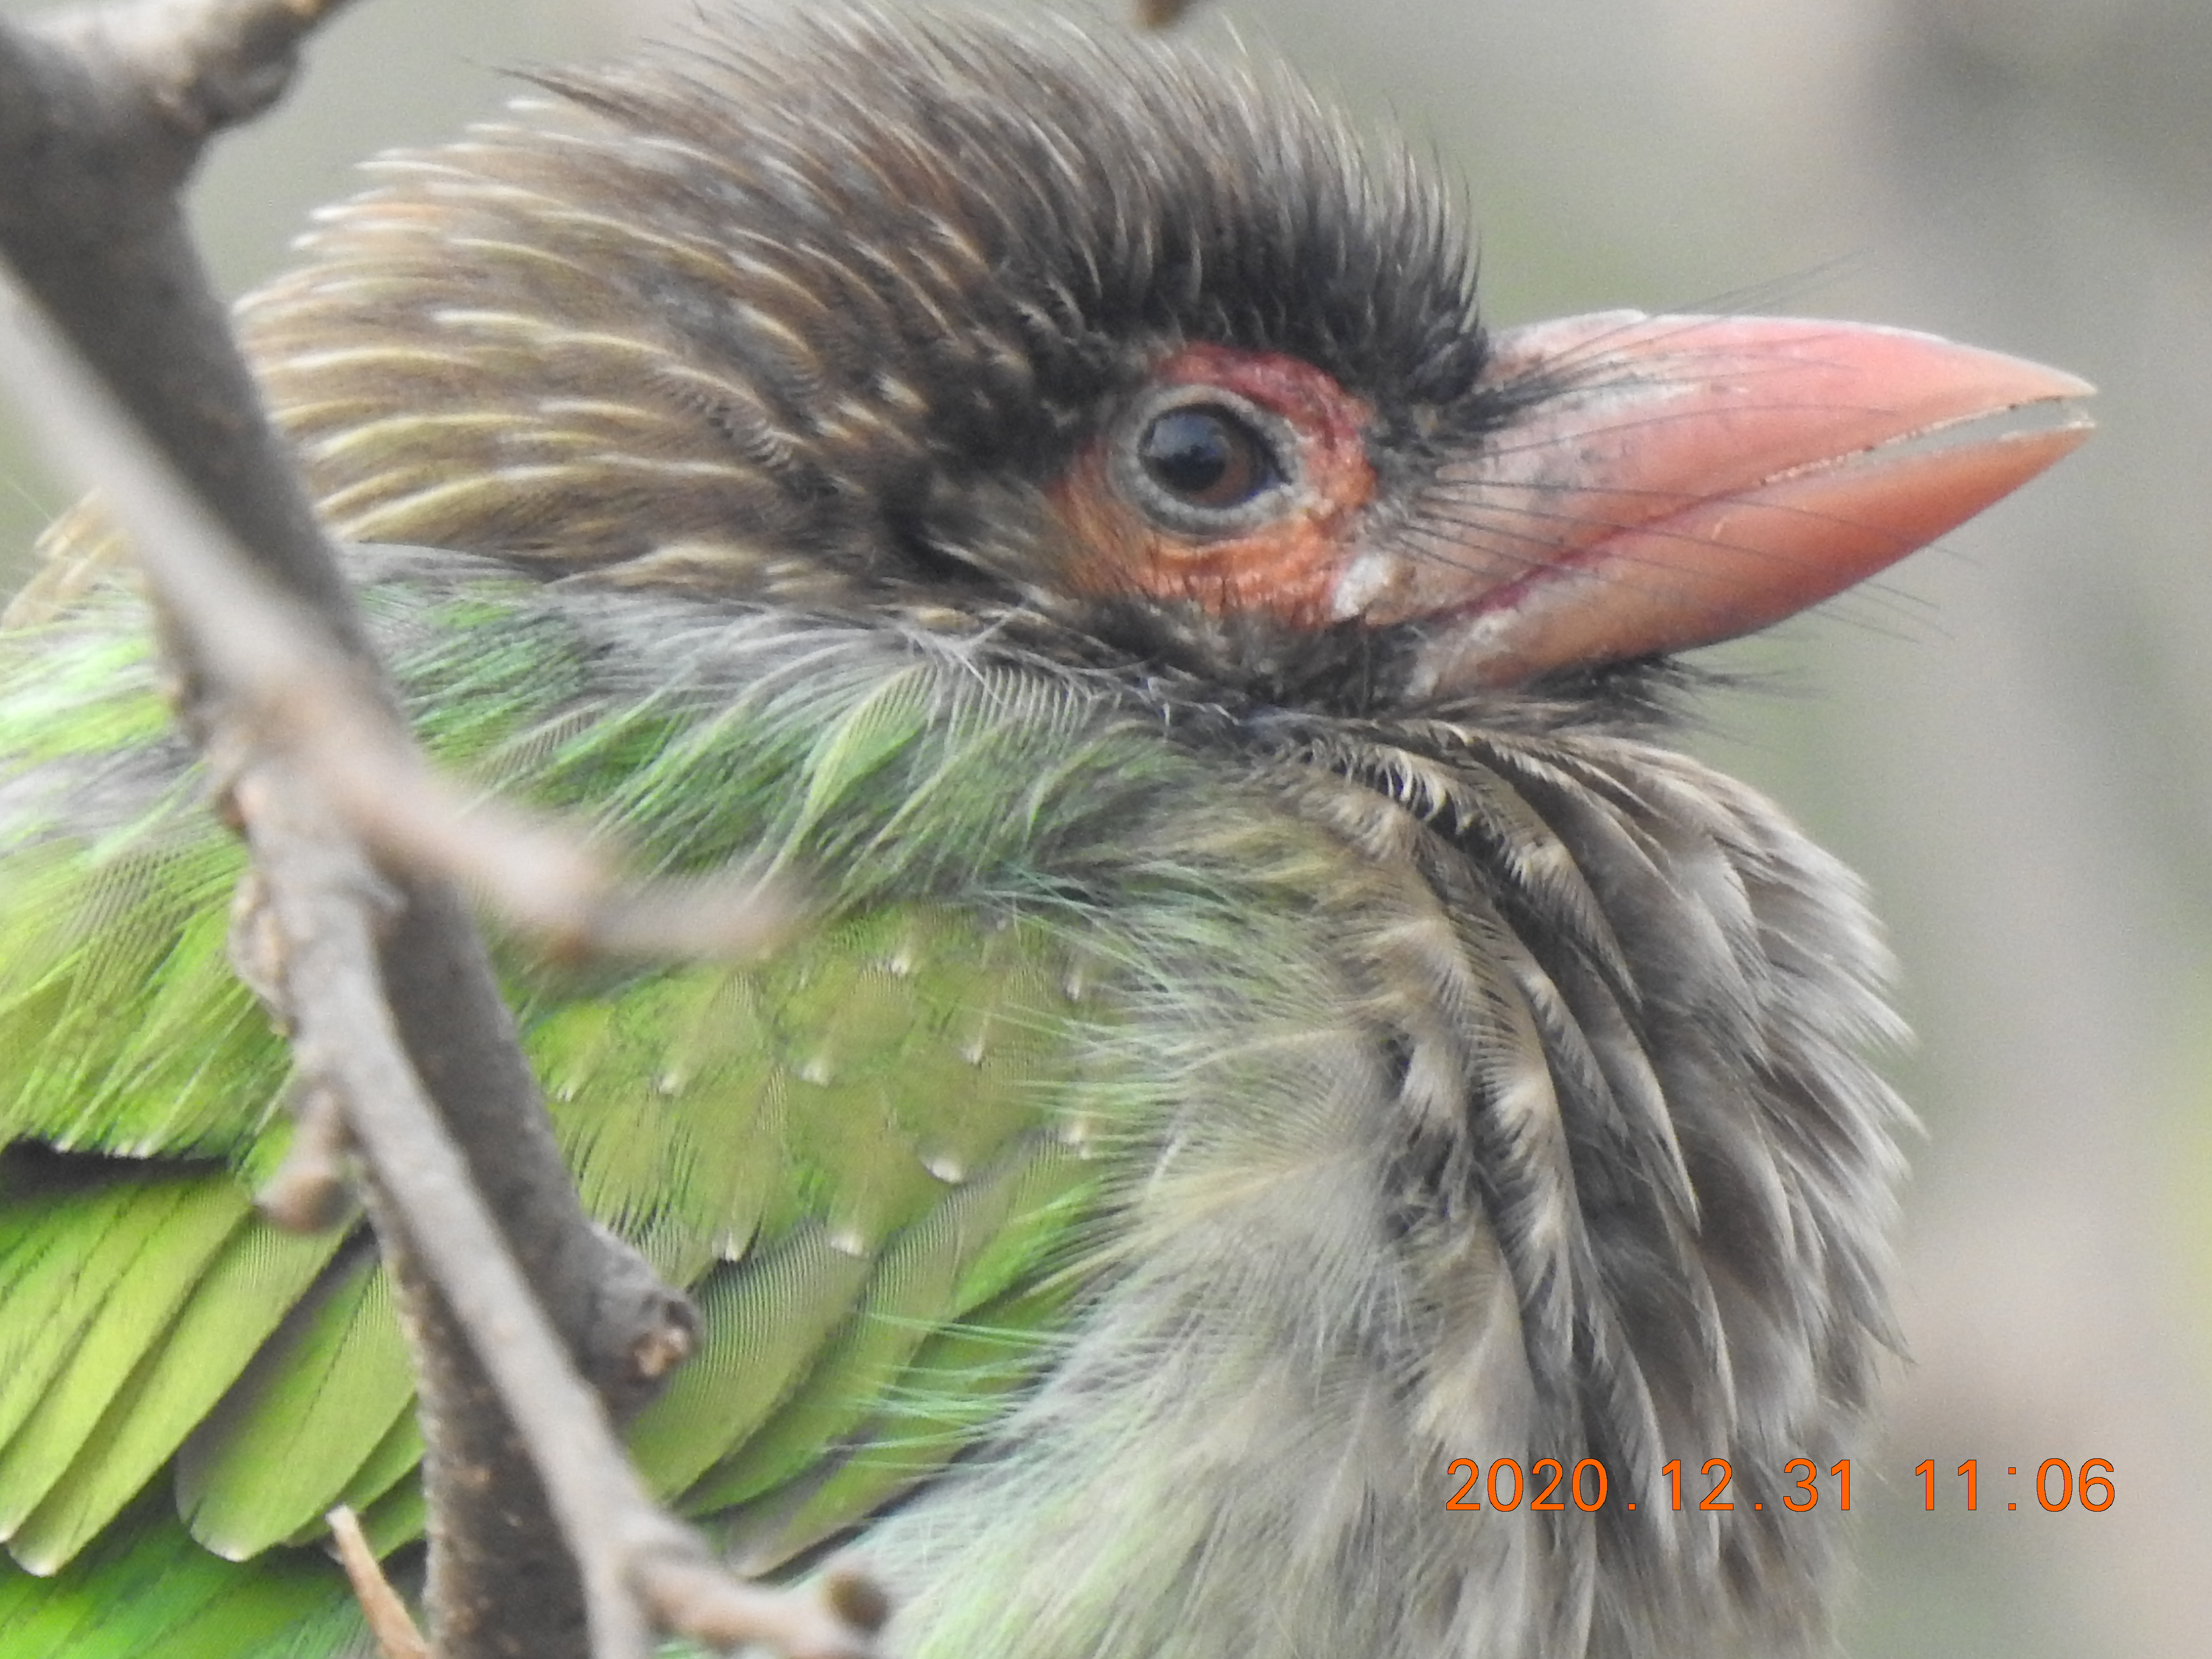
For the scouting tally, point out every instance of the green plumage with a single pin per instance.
(866, 1158)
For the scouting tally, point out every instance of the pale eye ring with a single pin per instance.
(1201, 461)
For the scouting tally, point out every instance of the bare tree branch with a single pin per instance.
(327, 898)
(543, 1540)
(104, 112)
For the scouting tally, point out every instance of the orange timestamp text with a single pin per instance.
(1549, 1484)
(1588, 1485)
(2092, 1490)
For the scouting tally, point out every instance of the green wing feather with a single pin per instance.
(236, 1303)
(866, 1158)
(147, 1587)
(300, 1428)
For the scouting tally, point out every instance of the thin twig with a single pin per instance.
(323, 893)
(390, 1624)
(627, 1548)
(709, 1606)
(309, 1193)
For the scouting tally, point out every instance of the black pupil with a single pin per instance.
(1206, 456)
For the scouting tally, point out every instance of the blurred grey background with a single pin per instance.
(2011, 735)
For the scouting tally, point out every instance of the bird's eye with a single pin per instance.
(1206, 457)
(1202, 463)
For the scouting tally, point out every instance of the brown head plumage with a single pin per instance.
(865, 308)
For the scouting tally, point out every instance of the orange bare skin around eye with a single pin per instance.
(1288, 568)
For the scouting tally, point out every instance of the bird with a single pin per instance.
(1289, 1054)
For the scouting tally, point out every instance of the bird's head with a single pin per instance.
(991, 326)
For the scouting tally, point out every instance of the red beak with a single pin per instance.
(1675, 481)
